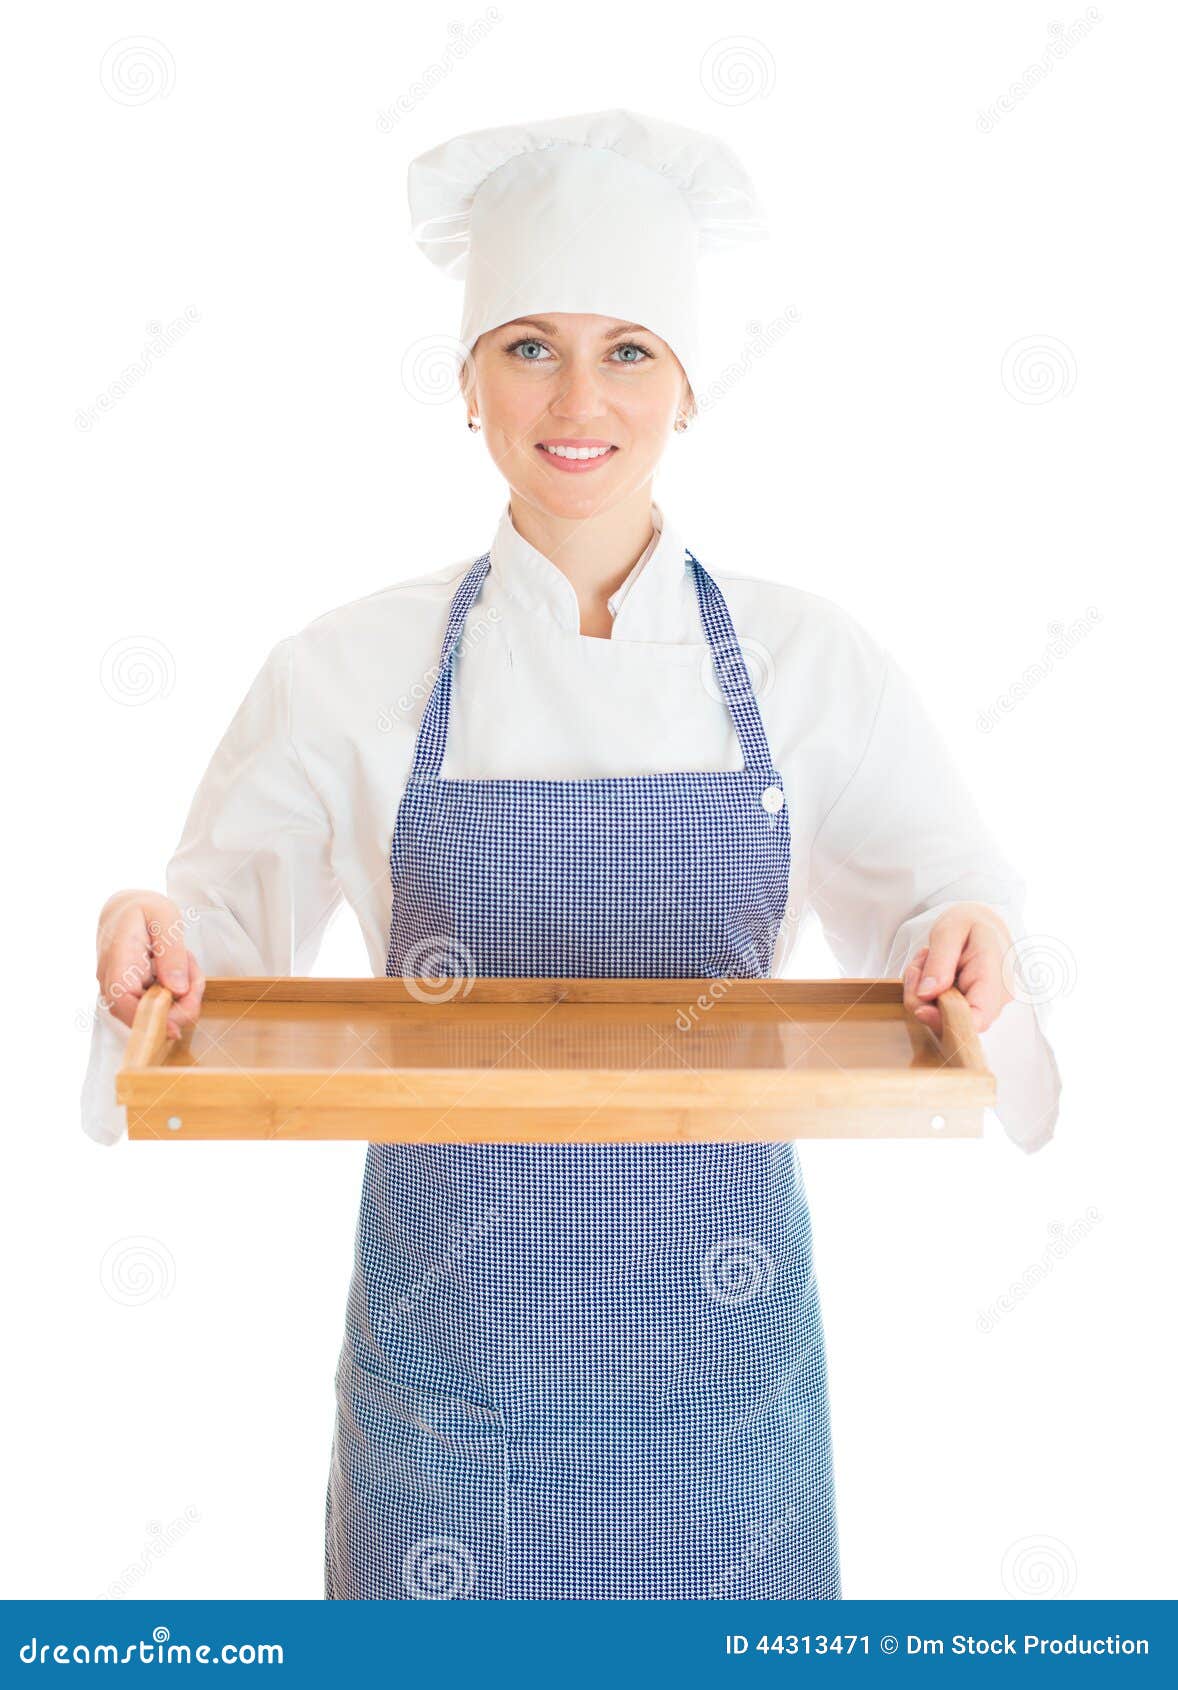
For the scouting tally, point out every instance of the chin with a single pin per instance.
(577, 497)
(577, 502)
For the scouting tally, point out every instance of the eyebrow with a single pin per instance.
(546, 327)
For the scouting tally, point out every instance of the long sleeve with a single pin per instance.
(252, 875)
(902, 842)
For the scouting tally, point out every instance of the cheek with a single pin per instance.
(648, 429)
(512, 415)
(649, 411)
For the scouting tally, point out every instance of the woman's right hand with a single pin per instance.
(141, 941)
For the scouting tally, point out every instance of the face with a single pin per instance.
(544, 388)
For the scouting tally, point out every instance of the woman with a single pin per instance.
(584, 1371)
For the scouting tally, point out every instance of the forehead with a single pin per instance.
(575, 325)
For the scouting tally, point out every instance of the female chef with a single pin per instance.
(583, 1370)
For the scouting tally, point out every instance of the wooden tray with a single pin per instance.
(574, 1060)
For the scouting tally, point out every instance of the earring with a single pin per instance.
(473, 424)
(680, 425)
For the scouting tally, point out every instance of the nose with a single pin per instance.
(580, 397)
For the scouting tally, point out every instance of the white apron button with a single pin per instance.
(773, 798)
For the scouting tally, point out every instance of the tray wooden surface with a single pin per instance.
(576, 1060)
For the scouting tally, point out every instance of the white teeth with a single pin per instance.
(578, 451)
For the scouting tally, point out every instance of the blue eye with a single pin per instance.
(536, 352)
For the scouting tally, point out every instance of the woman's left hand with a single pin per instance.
(965, 949)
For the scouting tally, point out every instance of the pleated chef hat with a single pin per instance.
(605, 212)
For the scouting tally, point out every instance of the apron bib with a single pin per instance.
(585, 1372)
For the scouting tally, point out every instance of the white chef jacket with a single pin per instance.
(296, 810)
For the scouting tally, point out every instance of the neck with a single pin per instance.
(595, 552)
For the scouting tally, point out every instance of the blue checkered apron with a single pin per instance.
(585, 1371)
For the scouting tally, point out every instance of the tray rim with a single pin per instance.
(145, 1078)
(533, 988)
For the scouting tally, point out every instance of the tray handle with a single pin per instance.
(959, 1040)
(149, 1041)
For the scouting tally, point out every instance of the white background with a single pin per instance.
(173, 1315)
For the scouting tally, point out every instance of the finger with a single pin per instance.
(946, 943)
(984, 999)
(981, 973)
(122, 1001)
(166, 927)
(185, 1009)
(170, 955)
(126, 969)
(910, 977)
(141, 941)
(929, 1015)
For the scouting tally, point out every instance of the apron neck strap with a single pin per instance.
(731, 673)
(435, 722)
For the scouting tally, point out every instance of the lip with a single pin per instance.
(575, 466)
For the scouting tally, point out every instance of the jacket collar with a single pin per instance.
(653, 602)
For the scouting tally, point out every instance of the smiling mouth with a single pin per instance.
(575, 455)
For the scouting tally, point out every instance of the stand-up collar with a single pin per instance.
(649, 604)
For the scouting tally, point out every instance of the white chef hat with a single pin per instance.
(604, 213)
